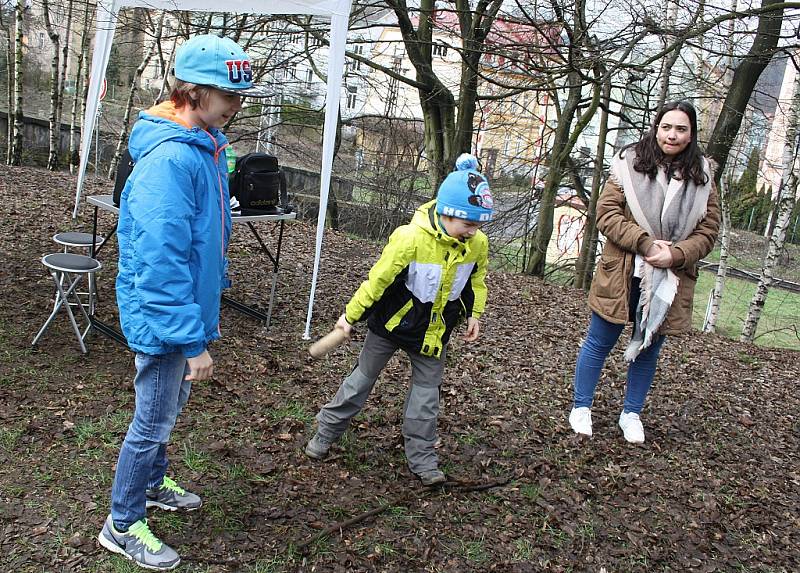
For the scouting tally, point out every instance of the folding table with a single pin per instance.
(106, 203)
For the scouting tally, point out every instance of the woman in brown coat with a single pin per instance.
(659, 214)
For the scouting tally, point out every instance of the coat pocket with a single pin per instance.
(607, 282)
(398, 316)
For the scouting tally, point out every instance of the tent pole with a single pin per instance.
(335, 70)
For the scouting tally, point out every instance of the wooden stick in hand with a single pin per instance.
(327, 343)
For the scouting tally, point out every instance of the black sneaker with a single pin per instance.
(139, 545)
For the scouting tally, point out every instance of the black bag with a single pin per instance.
(124, 169)
(259, 184)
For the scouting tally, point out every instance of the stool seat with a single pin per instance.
(77, 239)
(71, 263)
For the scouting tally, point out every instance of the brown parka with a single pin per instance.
(609, 295)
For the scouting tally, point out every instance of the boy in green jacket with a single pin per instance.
(430, 275)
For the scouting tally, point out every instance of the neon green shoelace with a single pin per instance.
(142, 532)
(169, 484)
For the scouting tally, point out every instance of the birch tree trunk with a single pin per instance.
(64, 61)
(722, 270)
(9, 88)
(775, 246)
(787, 193)
(16, 147)
(85, 79)
(123, 136)
(74, 130)
(710, 324)
(55, 128)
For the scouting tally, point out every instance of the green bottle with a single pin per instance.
(230, 156)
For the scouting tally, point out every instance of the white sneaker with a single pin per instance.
(581, 421)
(632, 427)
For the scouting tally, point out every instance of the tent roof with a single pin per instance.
(337, 10)
(313, 7)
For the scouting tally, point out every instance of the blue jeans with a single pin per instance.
(600, 339)
(161, 393)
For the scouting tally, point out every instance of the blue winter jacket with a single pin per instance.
(174, 226)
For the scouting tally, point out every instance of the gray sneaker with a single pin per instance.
(171, 496)
(432, 477)
(317, 447)
(139, 545)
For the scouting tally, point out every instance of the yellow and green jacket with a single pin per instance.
(424, 283)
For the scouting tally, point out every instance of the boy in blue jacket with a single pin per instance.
(174, 226)
(430, 276)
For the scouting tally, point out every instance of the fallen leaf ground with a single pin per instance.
(716, 487)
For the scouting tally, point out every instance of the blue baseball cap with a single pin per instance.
(218, 62)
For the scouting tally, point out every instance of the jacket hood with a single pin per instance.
(160, 123)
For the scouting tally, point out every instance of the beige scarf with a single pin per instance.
(668, 210)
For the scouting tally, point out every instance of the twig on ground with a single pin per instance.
(451, 485)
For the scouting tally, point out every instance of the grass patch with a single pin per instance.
(9, 438)
(474, 551)
(780, 318)
(530, 491)
(292, 410)
(196, 460)
(524, 549)
(106, 430)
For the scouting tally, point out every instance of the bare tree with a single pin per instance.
(448, 122)
(74, 129)
(137, 76)
(55, 88)
(786, 203)
(584, 266)
(16, 143)
(5, 23)
(586, 66)
(65, 60)
(668, 63)
(710, 323)
(744, 80)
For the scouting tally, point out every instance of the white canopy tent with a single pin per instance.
(337, 10)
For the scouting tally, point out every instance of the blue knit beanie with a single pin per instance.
(464, 193)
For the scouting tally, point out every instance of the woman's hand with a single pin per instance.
(659, 254)
(473, 330)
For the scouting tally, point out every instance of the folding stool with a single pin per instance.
(77, 239)
(68, 269)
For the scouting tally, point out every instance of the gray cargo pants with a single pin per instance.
(421, 407)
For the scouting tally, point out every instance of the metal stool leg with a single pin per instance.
(65, 297)
(62, 299)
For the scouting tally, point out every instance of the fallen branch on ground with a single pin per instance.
(452, 485)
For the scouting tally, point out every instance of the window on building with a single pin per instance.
(309, 77)
(293, 72)
(352, 93)
(439, 50)
(357, 49)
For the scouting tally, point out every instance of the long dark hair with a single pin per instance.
(688, 164)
